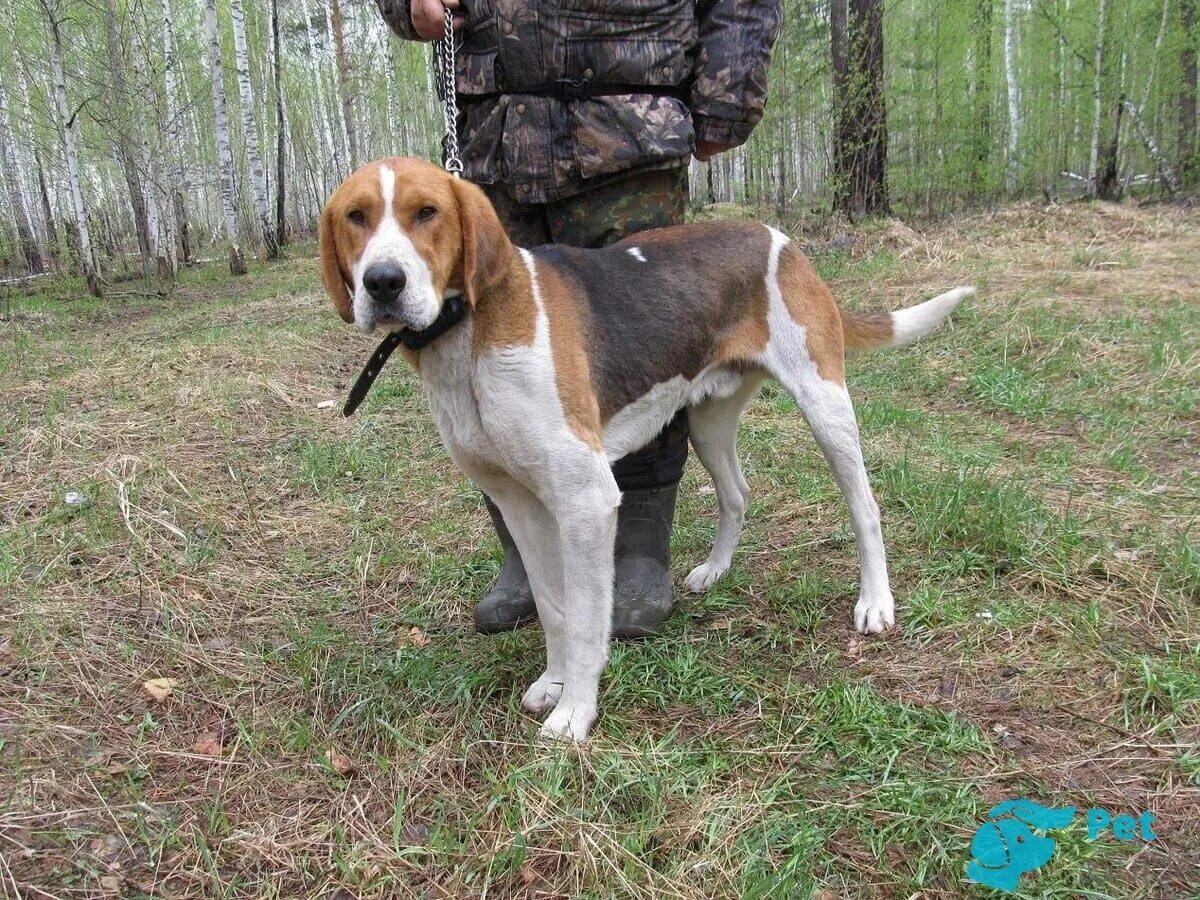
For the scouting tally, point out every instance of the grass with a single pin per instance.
(335, 728)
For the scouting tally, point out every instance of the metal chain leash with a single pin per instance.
(443, 75)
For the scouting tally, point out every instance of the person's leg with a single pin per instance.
(648, 478)
(510, 602)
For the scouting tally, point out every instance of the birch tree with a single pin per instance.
(178, 233)
(1188, 163)
(315, 61)
(281, 129)
(345, 88)
(18, 195)
(68, 128)
(123, 126)
(1012, 156)
(1097, 100)
(237, 263)
(258, 175)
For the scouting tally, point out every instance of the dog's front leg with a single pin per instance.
(535, 532)
(587, 527)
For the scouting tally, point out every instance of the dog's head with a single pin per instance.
(401, 235)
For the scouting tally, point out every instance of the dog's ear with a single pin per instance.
(486, 250)
(332, 274)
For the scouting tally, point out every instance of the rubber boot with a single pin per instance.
(649, 482)
(509, 604)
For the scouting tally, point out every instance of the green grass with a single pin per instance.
(307, 582)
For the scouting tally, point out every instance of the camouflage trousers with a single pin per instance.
(598, 218)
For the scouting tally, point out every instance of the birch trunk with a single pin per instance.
(281, 128)
(344, 86)
(344, 146)
(237, 264)
(1097, 100)
(162, 249)
(50, 229)
(1169, 178)
(15, 176)
(982, 100)
(177, 223)
(1188, 163)
(1013, 175)
(68, 129)
(326, 136)
(123, 125)
(258, 175)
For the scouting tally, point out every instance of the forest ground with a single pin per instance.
(330, 725)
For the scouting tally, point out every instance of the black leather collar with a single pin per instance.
(454, 310)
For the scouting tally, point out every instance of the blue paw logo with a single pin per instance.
(1005, 846)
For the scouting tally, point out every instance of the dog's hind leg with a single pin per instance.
(714, 429)
(830, 414)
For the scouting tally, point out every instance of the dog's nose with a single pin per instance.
(384, 282)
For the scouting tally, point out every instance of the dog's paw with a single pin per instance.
(569, 723)
(875, 614)
(542, 695)
(703, 577)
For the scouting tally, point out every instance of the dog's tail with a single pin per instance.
(874, 331)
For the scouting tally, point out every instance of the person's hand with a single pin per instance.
(429, 17)
(706, 150)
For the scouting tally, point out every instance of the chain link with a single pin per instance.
(443, 75)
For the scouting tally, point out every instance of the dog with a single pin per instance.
(566, 360)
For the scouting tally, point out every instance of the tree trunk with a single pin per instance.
(15, 176)
(1107, 176)
(860, 141)
(344, 85)
(281, 126)
(50, 229)
(175, 216)
(1168, 176)
(325, 138)
(1188, 163)
(258, 175)
(237, 264)
(123, 128)
(1012, 179)
(177, 234)
(68, 128)
(982, 100)
(1097, 101)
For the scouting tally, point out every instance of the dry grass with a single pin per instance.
(1037, 466)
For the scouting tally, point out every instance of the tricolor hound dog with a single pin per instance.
(568, 359)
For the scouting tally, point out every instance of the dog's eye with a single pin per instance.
(426, 213)
(357, 216)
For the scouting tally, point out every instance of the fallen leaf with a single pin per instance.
(208, 744)
(159, 689)
(854, 649)
(340, 762)
(111, 883)
(415, 638)
(528, 875)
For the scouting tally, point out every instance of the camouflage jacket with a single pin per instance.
(696, 69)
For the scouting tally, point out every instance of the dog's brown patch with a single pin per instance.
(506, 316)
(568, 343)
(810, 304)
